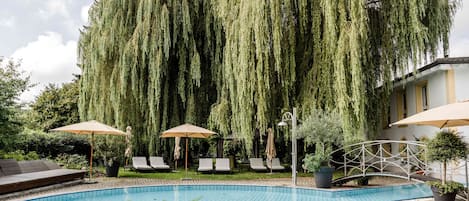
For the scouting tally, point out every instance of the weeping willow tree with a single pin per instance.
(235, 65)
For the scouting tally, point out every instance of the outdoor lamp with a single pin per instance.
(282, 123)
(288, 116)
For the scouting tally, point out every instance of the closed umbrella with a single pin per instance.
(187, 131)
(128, 141)
(177, 151)
(270, 147)
(90, 128)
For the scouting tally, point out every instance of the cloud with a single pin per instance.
(54, 7)
(8, 22)
(84, 13)
(49, 59)
(459, 37)
(459, 48)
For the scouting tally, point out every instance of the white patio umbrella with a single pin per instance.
(270, 147)
(187, 131)
(90, 128)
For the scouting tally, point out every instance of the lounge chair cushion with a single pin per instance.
(32, 166)
(275, 164)
(205, 165)
(140, 163)
(222, 165)
(51, 165)
(158, 163)
(10, 167)
(24, 181)
(257, 164)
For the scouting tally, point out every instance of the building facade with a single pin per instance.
(442, 82)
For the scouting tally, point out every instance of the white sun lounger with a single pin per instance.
(139, 163)
(158, 163)
(275, 164)
(257, 164)
(222, 165)
(205, 165)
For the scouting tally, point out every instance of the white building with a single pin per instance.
(444, 81)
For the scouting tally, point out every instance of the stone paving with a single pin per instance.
(104, 182)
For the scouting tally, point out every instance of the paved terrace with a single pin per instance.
(104, 182)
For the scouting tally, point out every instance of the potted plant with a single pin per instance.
(111, 150)
(319, 165)
(324, 130)
(446, 147)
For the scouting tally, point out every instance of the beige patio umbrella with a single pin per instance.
(270, 147)
(187, 131)
(451, 115)
(90, 128)
(177, 151)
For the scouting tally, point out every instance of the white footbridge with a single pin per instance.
(374, 158)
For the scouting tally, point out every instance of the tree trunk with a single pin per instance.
(443, 180)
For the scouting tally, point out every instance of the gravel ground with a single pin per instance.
(104, 182)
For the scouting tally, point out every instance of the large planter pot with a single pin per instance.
(443, 197)
(363, 181)
(113, 170)
(323, 177)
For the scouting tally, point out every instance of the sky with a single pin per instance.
(43, 34)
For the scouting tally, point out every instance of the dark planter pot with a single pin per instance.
(362, 181)
(323, 177)
(113, 170)
(443, 197)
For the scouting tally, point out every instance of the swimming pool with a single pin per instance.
(243, 193)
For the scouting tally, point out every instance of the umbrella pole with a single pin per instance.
(187, 147)
(271, 165)
(91, 155)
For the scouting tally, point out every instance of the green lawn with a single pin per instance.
(244, 175)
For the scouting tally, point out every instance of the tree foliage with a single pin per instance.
(445, 147)
(56, 106)
(12, 84)
(154, 64)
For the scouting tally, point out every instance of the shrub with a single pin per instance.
(449, 187)
(324, 130)
(51, 144)
(110, 149)
(19, 155)
(72, 161)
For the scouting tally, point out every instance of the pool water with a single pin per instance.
(243, 193)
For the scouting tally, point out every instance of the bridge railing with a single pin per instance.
(376, 156)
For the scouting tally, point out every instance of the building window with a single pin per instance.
(421, 96)
(404, 104)
(386, 114)
(424, 98)
(401, 105)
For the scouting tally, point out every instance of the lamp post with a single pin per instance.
(288, 116)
